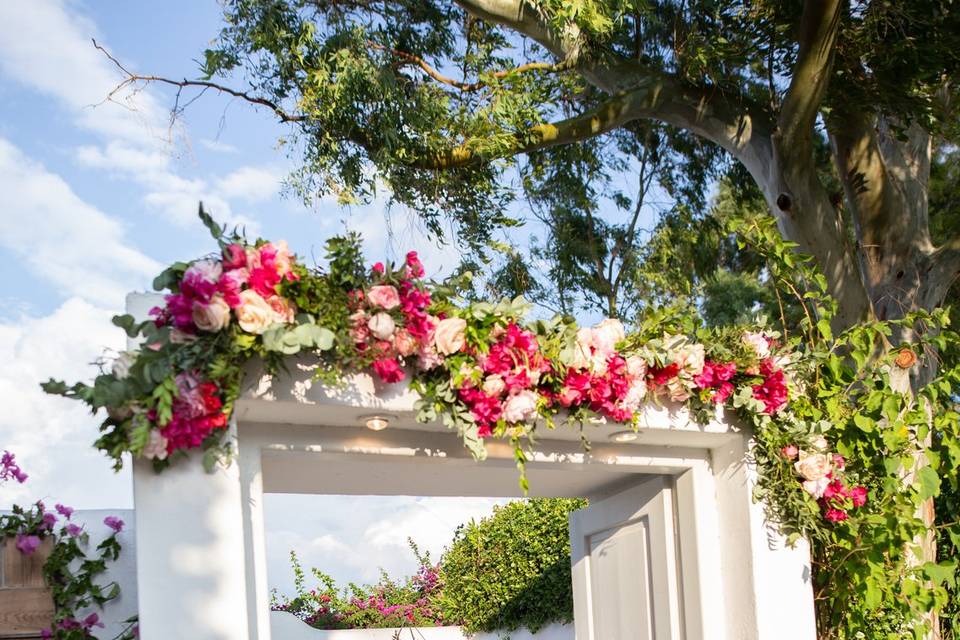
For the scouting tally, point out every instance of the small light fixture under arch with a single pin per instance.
(377, 422)
(624, 436)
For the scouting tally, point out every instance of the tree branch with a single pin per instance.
(819, 25)
(133, 78)
(409, 58)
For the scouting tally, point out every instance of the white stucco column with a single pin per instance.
(191, 575)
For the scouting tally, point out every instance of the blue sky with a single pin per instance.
(95, 200)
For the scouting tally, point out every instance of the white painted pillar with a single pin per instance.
(766, 585)
(254, 536)
(191, 578)
(191, 532)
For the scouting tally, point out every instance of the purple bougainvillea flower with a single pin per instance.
(27, 544)
(114, 523)
(63, 510)
(74, 530)
(92, 620)
(49, 520)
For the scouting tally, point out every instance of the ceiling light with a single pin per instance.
(376, 423)
(624, 436)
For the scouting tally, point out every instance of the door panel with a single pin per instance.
(624, 566)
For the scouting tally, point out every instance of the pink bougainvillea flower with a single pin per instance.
(234, 257)
(63, 510)
(772, 392)
(10, 469)
(114, 523)
(836, 515)
(27, 544)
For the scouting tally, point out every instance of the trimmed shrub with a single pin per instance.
(512, 569)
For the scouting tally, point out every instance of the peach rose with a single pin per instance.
(381, 325)
(213, 316)
(404, 343)
(906, 358)
(282, 308)
(520, 406)
(813, 466)
(384, 296)
(254, 315)
(450, 335)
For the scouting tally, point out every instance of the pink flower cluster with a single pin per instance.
(715, 380)
(9, 469)
(245, 280)
(505, 383)
(197, 411)
(821, 473)
(772, 391)
(390, 324)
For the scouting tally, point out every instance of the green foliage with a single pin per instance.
(512, 569)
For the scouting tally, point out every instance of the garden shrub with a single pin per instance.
(512, 569)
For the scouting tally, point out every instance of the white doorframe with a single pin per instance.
(200, 537)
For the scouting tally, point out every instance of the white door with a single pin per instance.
(625, 566)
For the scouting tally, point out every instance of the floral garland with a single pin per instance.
(68, 571)
(481, 368)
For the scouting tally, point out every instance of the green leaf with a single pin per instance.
(929, 483)
(303, 337)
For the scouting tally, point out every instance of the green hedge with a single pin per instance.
(512, 569)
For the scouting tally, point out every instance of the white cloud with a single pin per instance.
(252, 184)
(218, 146)
(52, 436)
(62, 238)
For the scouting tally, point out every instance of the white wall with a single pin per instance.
(285, 626)
(123, 570)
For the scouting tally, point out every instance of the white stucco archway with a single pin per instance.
(200, 537)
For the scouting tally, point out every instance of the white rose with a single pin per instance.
(211, 317)
(636, 367)
(121, 366)
(381, 325)
(820, 443)
(816, 487)
(607, 334)
(156, 447)
(691, 359)
(520, 406)
(254, 315)
(635, 395)
(813, 466)
(450, 335)
(582, 349)
(757, 342)
(493, 385)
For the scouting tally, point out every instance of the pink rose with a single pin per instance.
(381, 325)
(790, 451)
(211, 317)
(450, 335)
(254, 315)
(404, 343)
(384, 296)
(282, 308)
(520, 406)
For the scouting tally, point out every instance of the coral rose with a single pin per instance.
(213, 316)
(404, 343)
(450, 335)
(384, 296)
(254, 315)
(906, 358)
